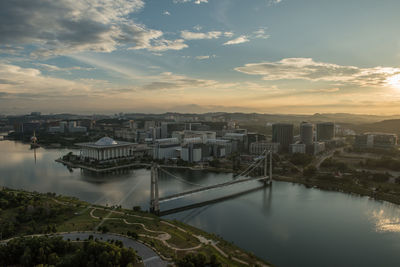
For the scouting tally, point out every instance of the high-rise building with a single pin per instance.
(306, 133)
(325, 131)
(282, 133)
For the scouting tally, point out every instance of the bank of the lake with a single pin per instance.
(31, 213)
(286, 224)
(374, 191)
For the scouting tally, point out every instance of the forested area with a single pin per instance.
(29, 213)
(57, 252)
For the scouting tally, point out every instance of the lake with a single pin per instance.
(286, 224)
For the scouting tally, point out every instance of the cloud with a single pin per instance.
(64, 26)
(308, 69)
(187, 35)
(197, 2)
(164, 45)
(274, 2)
(260, 34)
(10, 50)
(49, 67)
(228, 34)
(205, 57)
(324, 90)
(197, 27)
(168, 80)
(31, 82)
(257, 34)
(166, 12)
(239, 40)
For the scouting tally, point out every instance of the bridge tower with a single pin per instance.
(154, 197)
(270, 166)
(268, 178)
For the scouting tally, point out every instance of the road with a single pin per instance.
(324, 156)
(149, 257)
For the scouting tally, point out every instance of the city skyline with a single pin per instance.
(278, 56)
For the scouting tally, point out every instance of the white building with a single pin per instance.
(191, 153)
(298, 148)
(319, 147)
(166, 148)
(257, 148)
(107, 148)
(189, 136)
(126, 134)
(64, 126)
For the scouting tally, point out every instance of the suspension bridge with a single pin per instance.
(156, 200)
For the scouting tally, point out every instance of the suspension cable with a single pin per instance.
(180, 179)
(252, 166)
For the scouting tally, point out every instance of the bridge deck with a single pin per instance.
(198, 190)
(208, 202)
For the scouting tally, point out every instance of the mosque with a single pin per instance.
(107, 148)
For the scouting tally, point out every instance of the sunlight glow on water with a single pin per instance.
(386, 222)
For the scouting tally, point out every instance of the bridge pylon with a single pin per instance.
(154, 197)
(268, 177)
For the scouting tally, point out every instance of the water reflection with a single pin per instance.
(285, 219)
(386, 220)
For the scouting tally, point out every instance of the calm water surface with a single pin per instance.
(287, 224)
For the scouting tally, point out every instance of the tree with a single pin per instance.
(309, 171)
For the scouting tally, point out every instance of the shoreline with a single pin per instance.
(169, 239)
(335, 187)
(332, 185)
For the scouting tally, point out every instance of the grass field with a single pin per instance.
(171, 239)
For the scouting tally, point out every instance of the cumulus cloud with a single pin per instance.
(166, 12)
(188, 35)
(239, 40)
(10, 50)
(308, 69)
(65, 26)
(18, 81)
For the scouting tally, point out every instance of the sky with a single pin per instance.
(197, 56)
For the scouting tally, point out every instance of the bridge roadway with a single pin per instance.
(209, 202)
(206, 188)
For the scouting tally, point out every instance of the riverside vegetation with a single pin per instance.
(43, 216)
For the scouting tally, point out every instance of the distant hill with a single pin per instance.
(386, 126)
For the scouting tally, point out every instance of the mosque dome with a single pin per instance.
(106, 141)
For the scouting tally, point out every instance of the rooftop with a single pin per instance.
(105, 142)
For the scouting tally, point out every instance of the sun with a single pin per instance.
(394, 81)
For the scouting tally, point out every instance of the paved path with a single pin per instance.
(150, 258)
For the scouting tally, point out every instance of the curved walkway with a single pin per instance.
(150, 257)
(163, 236)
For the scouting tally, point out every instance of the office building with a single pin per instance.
(306, 133)
(325, 131)
(282, 133)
